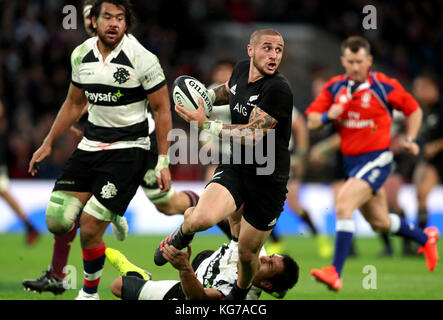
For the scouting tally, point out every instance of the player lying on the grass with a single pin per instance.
(211, 276)
(199, 281)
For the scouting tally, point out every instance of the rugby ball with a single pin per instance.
(186, 91)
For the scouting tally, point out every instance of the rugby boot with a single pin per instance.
(87, 296)
(123, 266)
(47, 282)
(430, 248)
(176, 239)
(328, 276)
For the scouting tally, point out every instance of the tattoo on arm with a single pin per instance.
(252, 132)
(221, 95)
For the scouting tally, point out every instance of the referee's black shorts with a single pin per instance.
(112, 176)
(263, 196)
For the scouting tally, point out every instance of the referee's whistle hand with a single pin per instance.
(411, 147)
(335, 111)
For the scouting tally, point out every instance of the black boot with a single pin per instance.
(387, 251)
(176, 239)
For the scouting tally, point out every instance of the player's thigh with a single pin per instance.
(251, 240)
(236, 217)
(336, 186)
(426, 178)
(210, 170)
(215, 204)
(352, 195)
(392, 186)
(82, 196)
(293, 190)
(376, 211)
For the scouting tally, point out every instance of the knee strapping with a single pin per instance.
(62, 211)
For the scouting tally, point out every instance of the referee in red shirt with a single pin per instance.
(360, 104)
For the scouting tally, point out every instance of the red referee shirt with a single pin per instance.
(365, 124)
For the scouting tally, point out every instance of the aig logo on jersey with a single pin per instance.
(240, 109)
(108, 191)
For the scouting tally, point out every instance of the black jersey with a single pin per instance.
(432, 127)
(432, 124)
(273, 95)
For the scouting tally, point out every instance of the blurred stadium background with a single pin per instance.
(189, 36)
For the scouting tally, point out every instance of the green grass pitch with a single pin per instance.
(397, 277)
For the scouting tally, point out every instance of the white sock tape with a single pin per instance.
(346, 225)
(395, 222)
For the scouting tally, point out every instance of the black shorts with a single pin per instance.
(404, 165)
(437, 163)
(112, 176)
(133, 285)
(263, 196)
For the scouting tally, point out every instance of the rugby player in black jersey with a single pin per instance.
(261, 101)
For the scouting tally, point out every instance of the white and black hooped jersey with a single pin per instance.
(219, 271)
(116, 90)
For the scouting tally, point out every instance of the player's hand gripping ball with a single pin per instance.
(186, 91)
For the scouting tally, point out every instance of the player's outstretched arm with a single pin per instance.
(249, 134)
(413, 123)
(316, 120)
(67, 115)
(161, 110)
(300, 134)
(253, 132)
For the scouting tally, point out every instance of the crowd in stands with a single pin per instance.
(35, 53)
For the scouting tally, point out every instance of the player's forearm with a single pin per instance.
(66, 117)
(83, 112)
(413, 123)
(251, 133)
(163, 124)
(301, 136)
(192, 288)
(243, 134)
(219, 95)
(315, 121)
